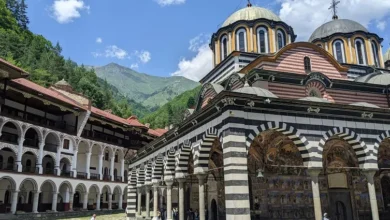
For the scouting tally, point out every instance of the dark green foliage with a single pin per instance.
(172, 113)
(44, 61)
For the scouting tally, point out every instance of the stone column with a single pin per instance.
(112, 167)
(14, 201)
(139, 192)
(19, 155)
(122, 171)
(57, 169)
(147, 189)
(35, 202)
(40, 158)
(201, 178)
(71, 196)
(98, 202)
(120, 202)
(85, 201)
(100, 166)
(169, 199)
(155, 199)
(74, 167)
(371, 190)
(109, 201)
(88, 163)
(316, 193)
(54, 202)
(181, 199)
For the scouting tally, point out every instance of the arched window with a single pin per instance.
(224, 47)
(375, 53)
(338, 51)
(360, 52)
(106, 155)
(115, 173)
(307, 64)
(262, 40)
(241, 40)
(10, 163)
(281, 39)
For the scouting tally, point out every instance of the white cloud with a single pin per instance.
(198, 41)
(143, 56)
(99, 40)
(112, 51)
(170, 2)
(65, 11)
(300, 15)
(381, 25)
(134, 66)
(198, 66)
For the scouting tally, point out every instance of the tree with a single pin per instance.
(191, 102)
(22, 18)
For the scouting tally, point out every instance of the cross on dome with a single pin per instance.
(333, 7)
(249, 4)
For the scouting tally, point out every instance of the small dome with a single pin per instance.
(386, 57)
(337, 26)
(380, 79)
(64, 85)
(364, 104)
(255, 91)
(314, 99)
(249, 14)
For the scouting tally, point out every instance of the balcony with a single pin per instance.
(9, 138)
(118, 179)
(49, 171)
(81, 175)
(66, 173)
(107, 177)
(30, 169)
(8, 166)
(50, 147)
(33, 143)
(110, 139)
(37, 120)
(94, 176)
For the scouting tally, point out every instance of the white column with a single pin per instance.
(20, 154)
(181, 199)
(350, 51)
(147, 188)
(139, 194)
(40, 158)
(155, 198)
(71, 196)
(100, 166)
(54, 202)
(88, 163)
(169, 199)
(120, 202)
(98, 202)
(289, 39)
(112, 167)
(230, 43)
(275, 40)
(57, 168)
(35, 202)
(85, 201)
(201, 178)
(381, 61)
(14, 201)
(316, 193)
(74, 166)
(122, 172)
(251, 42)
(371, 191)
(109, 201)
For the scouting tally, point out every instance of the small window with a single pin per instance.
(224, 47)
(281, 39)
(66, 144)
(307, 64)
(375, 53)
(241, 40)
(262, 36)
(360, 52)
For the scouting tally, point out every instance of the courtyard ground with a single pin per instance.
(120, 216)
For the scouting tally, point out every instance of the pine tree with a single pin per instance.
(22, 18)
(12, 5)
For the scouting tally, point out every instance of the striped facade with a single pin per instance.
(132, 196)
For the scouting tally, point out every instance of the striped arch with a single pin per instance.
(169, 165)
(201, 153)
(132, 195)
(140, 176)
(157, 170)
(148, 173)
(289, 131)
(36, 129)
(182, 159)
(379, 139)
(349, 136)
(17, 125)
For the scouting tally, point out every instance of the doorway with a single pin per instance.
(214, 210)
(340, 205)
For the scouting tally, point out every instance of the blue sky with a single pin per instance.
(165, 37)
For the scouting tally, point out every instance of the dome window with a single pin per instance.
(262, 36)
(338, 51)
(224, 47)
(241, 40)
(375, 53)
(307, 64)
(360, 52)
(281, 39)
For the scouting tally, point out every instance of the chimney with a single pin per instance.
(147, 125)
(170, 127)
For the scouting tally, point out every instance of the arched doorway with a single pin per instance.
(76, 201)
(7, 187)
(28, 162)
(31, 138)
(7, 159)
(65, 191)
(46, 196)
(26, 189)
(213, 210)
(80, 191)
(94, 194)
(65, 167)
(48, 165)
(10, 133)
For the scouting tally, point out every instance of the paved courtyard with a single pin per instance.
(120, 216)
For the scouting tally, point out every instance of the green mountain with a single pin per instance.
(150, 91)
(172, 113)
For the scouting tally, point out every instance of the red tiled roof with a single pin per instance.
(12, 66)
(47, 92)
(157, 132)
(130, 121)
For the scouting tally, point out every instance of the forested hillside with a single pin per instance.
(46, 65)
